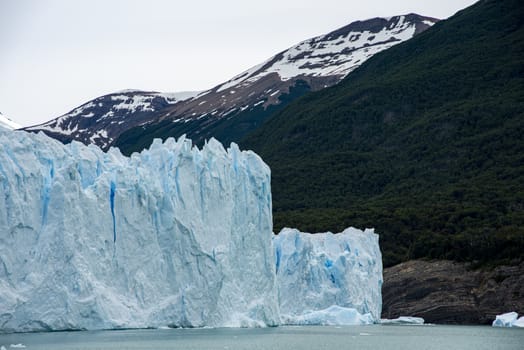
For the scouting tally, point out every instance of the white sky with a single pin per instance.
(58, 54)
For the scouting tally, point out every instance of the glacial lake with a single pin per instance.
(289, 338)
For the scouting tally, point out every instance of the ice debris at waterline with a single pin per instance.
(509, 319)
(405, 320)
(173, 236)
(328, 279)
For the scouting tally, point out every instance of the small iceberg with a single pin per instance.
(407, 320)
(509, 319)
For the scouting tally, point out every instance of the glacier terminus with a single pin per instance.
(328, 279)
(172, 236)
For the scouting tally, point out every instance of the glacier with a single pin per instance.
(172, 236)
(328, 279)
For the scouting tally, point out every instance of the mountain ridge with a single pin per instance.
(311, 65)
(423, 142)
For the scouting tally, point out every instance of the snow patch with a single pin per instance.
(7, 123)
(180, 96)
(229, 111)
(321, 56)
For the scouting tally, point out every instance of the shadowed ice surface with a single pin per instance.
(303, 338)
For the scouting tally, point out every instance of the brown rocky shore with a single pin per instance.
(450, 292)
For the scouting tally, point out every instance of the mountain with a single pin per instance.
(424, 142)
(7, 123)
(101, 120)
(230, 110)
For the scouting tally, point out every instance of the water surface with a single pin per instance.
(289, 338)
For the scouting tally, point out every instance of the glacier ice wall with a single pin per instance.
(329, 278)
(171, 236)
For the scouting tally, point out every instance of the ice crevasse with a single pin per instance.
(172, 236)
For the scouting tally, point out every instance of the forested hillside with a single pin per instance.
(424, 142)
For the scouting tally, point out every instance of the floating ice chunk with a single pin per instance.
(509, 319)
(519, 322)
(505, 320)
(403, 320)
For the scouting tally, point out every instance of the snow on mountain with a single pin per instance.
(318, 63)
(99, 121)
(7, 123)
(337, 53)
(173, 236)
(328, 279)
(169, 96)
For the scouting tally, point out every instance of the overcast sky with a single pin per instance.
(58, 54)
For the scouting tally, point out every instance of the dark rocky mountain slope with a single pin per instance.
(450, 292)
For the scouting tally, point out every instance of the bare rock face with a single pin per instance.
(451, 292)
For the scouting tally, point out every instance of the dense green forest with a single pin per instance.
(424, 142)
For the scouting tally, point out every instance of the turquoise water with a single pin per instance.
(289, 338)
